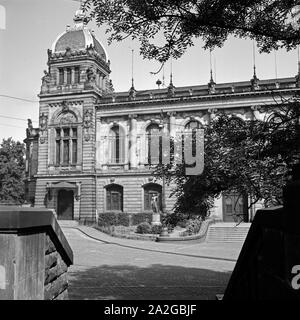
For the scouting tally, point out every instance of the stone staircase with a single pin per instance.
(68, 223)
(227, 232)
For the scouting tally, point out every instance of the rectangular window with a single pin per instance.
(115, 201)
(74, 151)
(57, 133)
(66, 132)
(57, 151)
(108, 201)
(61, 76)
(66, 151)
(74, 133)
(69, 76)
(77, 75)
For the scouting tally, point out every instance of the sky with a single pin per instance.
(29, 27)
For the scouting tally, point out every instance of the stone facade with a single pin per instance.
(90, 152)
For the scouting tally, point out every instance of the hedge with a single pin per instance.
(140, 217)
(110, 218)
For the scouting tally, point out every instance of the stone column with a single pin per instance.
(72, 75)
(99, 152)
(65, 75)
(132, 141)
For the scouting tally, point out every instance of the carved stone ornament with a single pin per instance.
(87, 136)
(65, 107)
(43, 122)
(67, 118)
(87, 118)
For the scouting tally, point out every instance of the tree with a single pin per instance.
(252, 157)
(272, 23)
(12, 169)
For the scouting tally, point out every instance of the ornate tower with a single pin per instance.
(77, 77)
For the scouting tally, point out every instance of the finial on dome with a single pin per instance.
(80, 17)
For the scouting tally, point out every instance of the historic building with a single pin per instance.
(90, 153)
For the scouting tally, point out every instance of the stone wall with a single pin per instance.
(56, 279)
(34, 255)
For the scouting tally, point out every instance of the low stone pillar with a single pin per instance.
(34, 256)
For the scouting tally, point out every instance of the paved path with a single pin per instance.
(110, 268)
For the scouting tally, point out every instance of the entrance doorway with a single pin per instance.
(65, 204)
(235, 208)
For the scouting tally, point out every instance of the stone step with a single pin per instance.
(227, 232)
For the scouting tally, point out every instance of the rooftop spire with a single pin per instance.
(254, 80)
(171, 87)
(211, 84)
(132, 91)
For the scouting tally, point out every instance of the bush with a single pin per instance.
(138, 218)
(143, 227)
(156, 229)
(113, 219)
(174, 218)
(107, 219)
(182, 223)
(193, 226)
(123, 219)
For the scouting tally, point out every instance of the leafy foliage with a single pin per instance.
(143, 227)
(12, 170)
(111, 218)
(272, 23)
(193, 226)
(156, 229)
(140, 217)
(251, 157)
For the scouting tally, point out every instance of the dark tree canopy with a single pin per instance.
(272, 23)
(12, 168)
(251, 157)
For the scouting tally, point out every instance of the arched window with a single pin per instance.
(116, 145)
(150, 190)
(235, 207)
(193, 124)
(191, 128)
(236, 121)
(114, 197)
(153, 144)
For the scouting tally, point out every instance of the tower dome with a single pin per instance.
(78, 38)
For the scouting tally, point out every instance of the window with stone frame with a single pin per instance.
(66, 146)
(114, 198)
(153, 141)
(191, 128)
(150, 190)
(116, 139)
(60, 76)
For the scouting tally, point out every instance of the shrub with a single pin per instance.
(123, 219)
(182, 223)
(140, 217)
(193, 226)
(156, 229)
(107, 219)
(174, 218)
(143, 227)
(113, 219)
